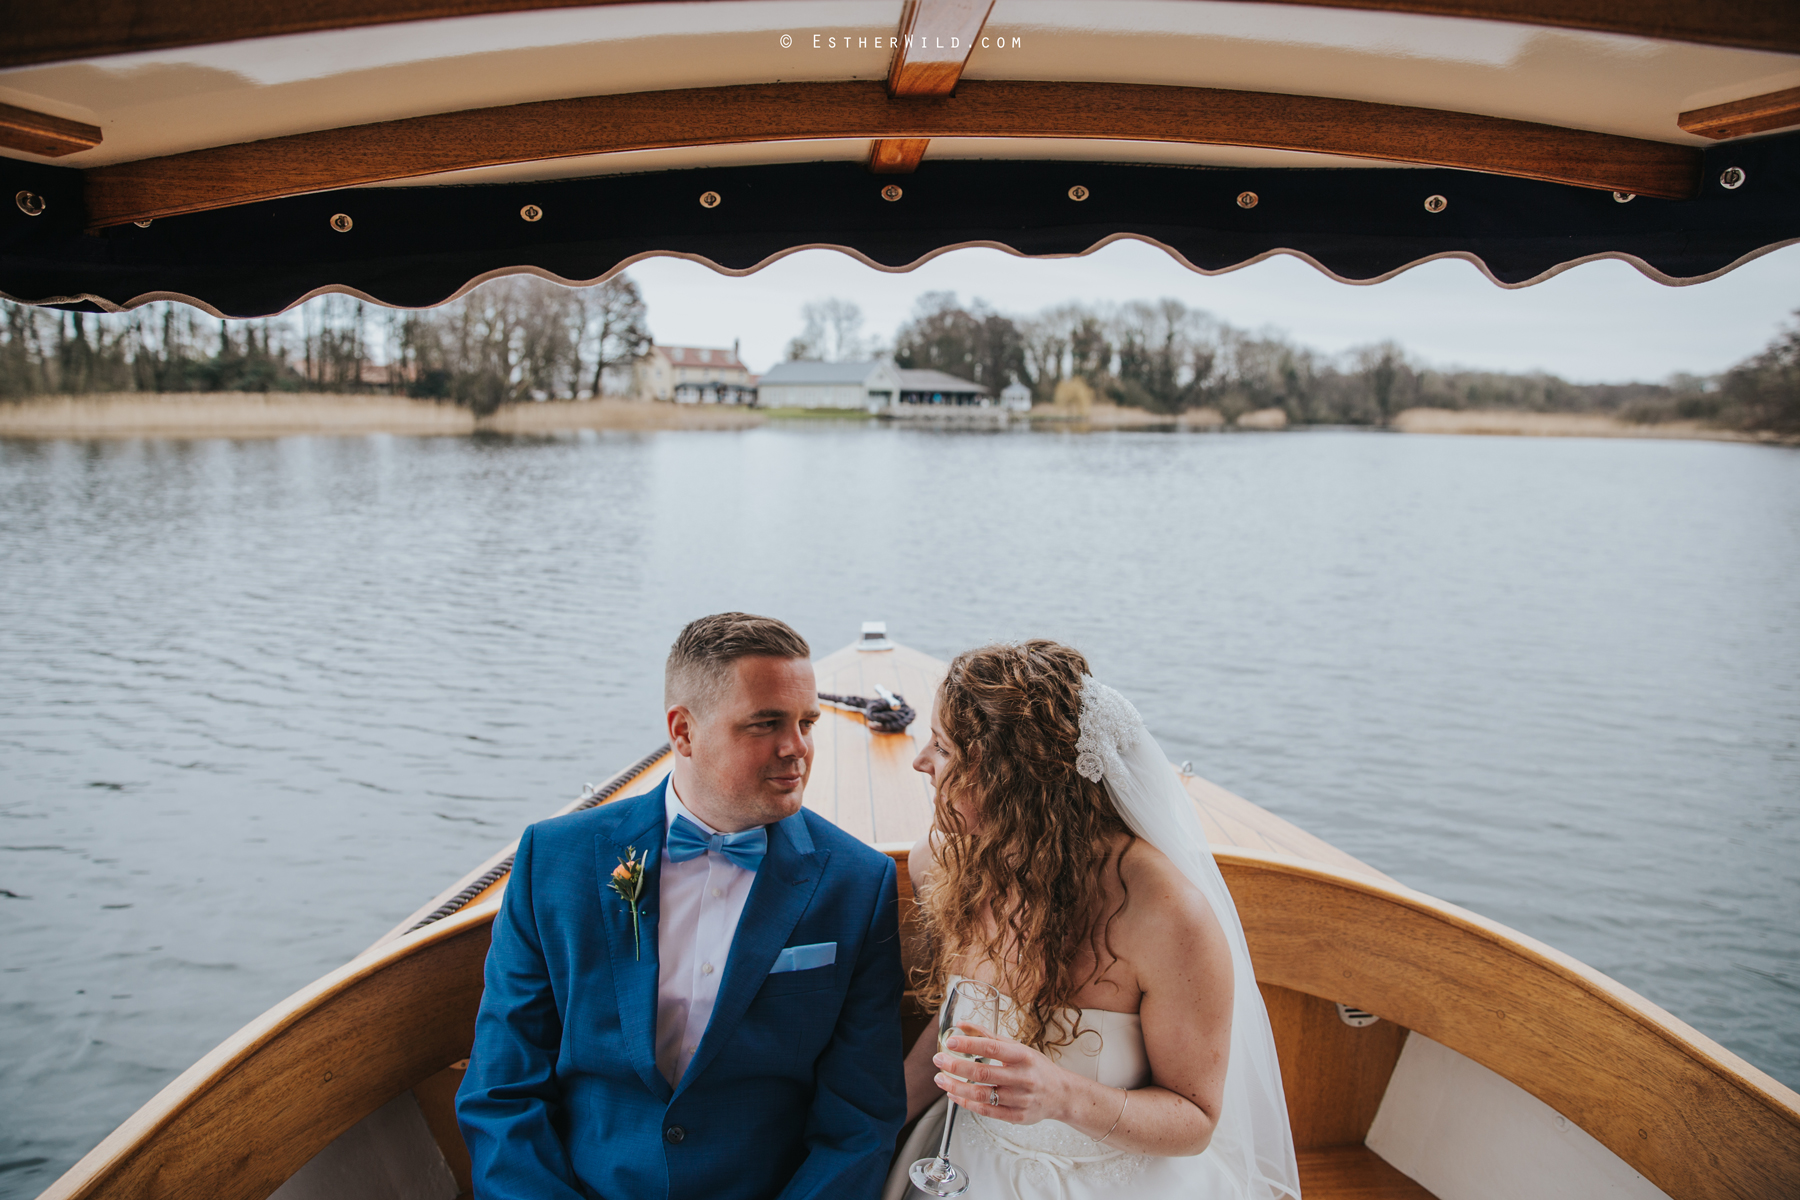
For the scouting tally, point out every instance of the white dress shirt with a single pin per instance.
(701, 901)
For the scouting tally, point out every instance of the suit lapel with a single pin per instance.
(784, 886)
(635, 975)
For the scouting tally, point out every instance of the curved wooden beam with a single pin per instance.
(390, 150)
(76, 29)
(1691, 1117)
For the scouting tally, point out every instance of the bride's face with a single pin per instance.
(935, 756)
(933, 760)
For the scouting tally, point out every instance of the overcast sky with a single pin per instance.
(1599, 322)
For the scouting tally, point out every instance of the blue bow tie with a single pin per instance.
(687, 840)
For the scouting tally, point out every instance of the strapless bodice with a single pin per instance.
(1109, 1048)
(1054, 1161)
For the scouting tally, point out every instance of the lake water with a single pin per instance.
(260, 699)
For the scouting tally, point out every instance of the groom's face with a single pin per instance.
(749, 752)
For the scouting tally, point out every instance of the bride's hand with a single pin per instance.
(1030, 1087)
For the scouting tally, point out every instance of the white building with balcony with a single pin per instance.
(695, 375)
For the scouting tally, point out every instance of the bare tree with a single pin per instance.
(832, 333)
(1046, 340)
(1387, 375)
(614, 328)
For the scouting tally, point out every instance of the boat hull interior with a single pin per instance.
(1493, 1066)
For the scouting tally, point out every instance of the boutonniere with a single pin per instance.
(628, 881)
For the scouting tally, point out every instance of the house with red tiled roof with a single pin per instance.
(695, 375)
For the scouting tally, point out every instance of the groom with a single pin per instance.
(747, 1043)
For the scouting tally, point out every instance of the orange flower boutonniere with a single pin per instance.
(628, 881)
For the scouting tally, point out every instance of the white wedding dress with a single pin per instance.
(1251, 1156)
(1053, 1161)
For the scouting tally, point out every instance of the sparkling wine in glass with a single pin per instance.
(970, 1002)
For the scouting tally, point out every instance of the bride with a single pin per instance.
(1066, 868)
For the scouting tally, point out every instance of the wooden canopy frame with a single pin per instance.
(1698, 1122)
(924, 98)
(75, 29)
(366, 154)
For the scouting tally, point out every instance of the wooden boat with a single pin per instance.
(243, 156)
(1425, 1050)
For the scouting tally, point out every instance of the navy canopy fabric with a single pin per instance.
(419, 246)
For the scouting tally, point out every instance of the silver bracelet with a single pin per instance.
(1118, 1118)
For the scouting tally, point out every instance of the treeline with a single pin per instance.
(525, 338)
(512, 339)
(1168, 358)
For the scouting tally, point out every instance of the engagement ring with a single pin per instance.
(993, 1097)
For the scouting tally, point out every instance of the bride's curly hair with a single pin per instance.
(1026, 873)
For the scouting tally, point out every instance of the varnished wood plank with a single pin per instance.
(1243, 824)
(936, 37)
(1354, 1173)
(839, 789)
(1334, 1075)
(896, 798)
(914, 951)
(1690, 1116)
(437, 1102)
(900, 797)
(41, 133)
(390, 150)
(848, 780)
(897, 156)
(1756, 114)
(73, 29)
(821, 785)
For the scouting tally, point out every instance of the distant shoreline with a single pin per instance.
(287, 414)
(1514, 423)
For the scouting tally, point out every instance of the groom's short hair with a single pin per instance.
(700, 662)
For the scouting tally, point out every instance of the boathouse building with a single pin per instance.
(870, 386)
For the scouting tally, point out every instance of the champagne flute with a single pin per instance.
(970, 1002)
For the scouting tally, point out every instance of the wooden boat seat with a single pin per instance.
(1353, 1173)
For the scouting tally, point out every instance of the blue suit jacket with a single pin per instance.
(796, 1089)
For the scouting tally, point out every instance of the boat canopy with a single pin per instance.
(245, 157)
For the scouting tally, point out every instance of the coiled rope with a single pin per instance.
(590, 796)
(886, 713)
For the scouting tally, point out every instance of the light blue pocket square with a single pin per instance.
(805, 958)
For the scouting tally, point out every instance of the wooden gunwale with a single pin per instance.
(1694, 1119)
(385, 151)
(96, 28)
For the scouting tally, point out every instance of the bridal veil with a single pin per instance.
(1252, 1140)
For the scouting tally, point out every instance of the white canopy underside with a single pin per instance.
(169, 101)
